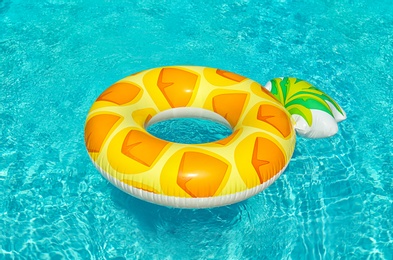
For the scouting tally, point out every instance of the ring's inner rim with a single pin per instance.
(188, 112)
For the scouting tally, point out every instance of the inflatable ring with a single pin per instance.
(189, 175)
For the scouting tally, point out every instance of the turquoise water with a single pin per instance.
(189, 130)
(333, 201)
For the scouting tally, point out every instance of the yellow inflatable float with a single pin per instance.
(189, 175)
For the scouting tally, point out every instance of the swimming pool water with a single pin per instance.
(189, 130)
(333, 201)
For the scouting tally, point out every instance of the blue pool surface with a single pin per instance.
(187, 130)
(335, 199)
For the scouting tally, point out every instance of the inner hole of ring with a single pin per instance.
(189, 126)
